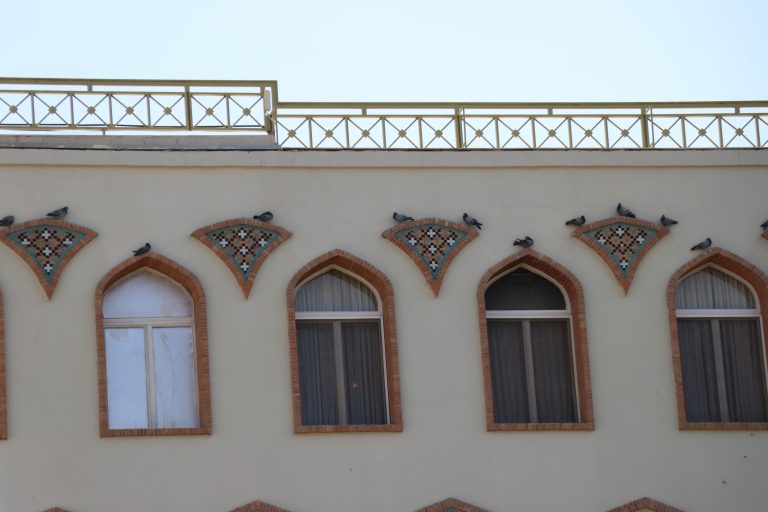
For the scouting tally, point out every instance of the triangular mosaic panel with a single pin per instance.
(622, 242)
(243, 245)
(431, 244)
(47, 246)
(451, 505)
(644, 504)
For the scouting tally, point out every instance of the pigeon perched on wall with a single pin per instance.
(523, 242)
(577, 221)
(264, 217)
(399, 217)
(624, 211)
(702, 245)
(666, 221)
(764, 225)
(7, 221)
(58, 214)
(144, 249)
(471, 221)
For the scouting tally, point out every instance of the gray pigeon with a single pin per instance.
(578, 221)
(702, 245)
(399, 217)
(264, 217)
(625, 212)
(666, 221)
(471, 221)
(7, 221)
(144, 249)
(764, 225)
(523, 242)
(58, 214)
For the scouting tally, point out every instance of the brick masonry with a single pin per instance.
(379, 281)
(190, 283)
(244, 280)
(451, 505)
(624, 277)
(748, 272)
(258, 506)
(48, 282)
(575, 295)
(435, 280)
(643, 504)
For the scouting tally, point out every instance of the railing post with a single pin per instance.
(644, 127)
(458, 119)
(188, 106)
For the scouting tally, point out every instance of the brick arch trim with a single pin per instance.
(575, 295)
(3, 397)
(374, 277)
(451, 505)
(747, 272)
(258, 506)
(645, 503)
(191, 284)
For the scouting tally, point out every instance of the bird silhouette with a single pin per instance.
(624, 211)
(7, 221)
(702, 245)
(523, 242)
(58, 214)
(399, 217)
(264, 217)
(666, 221)
(144, 249)
(577, 221)
(471, 221)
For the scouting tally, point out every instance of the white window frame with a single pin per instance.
(526, 316)
(148, 324)
(336, 318)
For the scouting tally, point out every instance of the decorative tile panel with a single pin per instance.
(243, 245)
(431, 244)
(622, 242)
(47, 246)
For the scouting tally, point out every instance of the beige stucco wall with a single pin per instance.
(329, 200)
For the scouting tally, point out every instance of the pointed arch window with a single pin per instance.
(152, 350)
(722, 358)
(533, 336)
(343, 347)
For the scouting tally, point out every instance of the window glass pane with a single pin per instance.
(364, 373)
(523, 289)
(174, 361)
(743, 368)
(508, 378)
(335, 291)
(147, 294)
(711, 289)
(317, 373)
(553, 372)
(126, 378)
(697, 361)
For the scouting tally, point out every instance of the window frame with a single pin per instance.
(376, 281)
(573, 294)
(757, 283)
(182, 277)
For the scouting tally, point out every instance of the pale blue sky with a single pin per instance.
(406, 50)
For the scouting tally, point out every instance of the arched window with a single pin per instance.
(719, 345)
(344, 352)
(534, 346)
(152, 353)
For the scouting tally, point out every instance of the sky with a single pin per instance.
(406, 50)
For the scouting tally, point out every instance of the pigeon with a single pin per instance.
(624, 212)
(264, 217)
(58, 214)
(399, 217)
(764, 225)
(702, 245)
(523, 242)
(666, 221)
(7, 221)
(578, 221)
(144, 249)
(471, 221)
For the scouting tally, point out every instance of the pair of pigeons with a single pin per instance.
(623, 211)
(8, 220)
